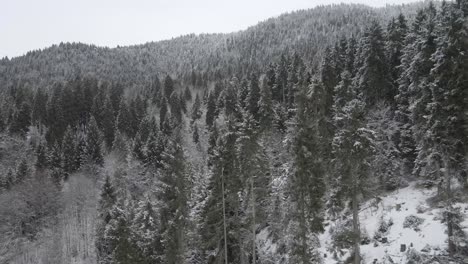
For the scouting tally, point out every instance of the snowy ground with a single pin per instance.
(397, 206)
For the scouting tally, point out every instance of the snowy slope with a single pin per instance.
(430, 237)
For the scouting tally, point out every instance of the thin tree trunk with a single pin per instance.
(224, 217)
(448, 180)
(357, 233)
(253, 220)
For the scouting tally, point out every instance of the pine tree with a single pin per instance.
(176, 110)
(155, 89)
(69, 151)
(221, 210)
(162, 113)
(419, 86)
(138, 150)
(108, 122)
(22, 171)
(395, 41)
(195, 135)
(123, 122)
(55, 119)
(22, 120)
(253, 171)
(265, 105)
(2, 121)
(352, 147)
(253, 97)
(119, 145)
(182, 103)
(173, 196)
(155, 146)
(106, 203)
(307, 185)
(146, 233)
(80, 150)
(187, 94)
(9, 179)
(212, 141)
(445, 122)
(39, 108)
(93, 143)
(196, 111)
(118, 236)
(168, 86)
(374, 78)
(137, 112)
(41, 156)
(210, 115)
(230, 100)
(54, 157)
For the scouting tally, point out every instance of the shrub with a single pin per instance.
(413, 222)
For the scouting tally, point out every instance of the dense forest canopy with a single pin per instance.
(260, 146)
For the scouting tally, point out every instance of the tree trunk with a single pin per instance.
(357, 233)
(253, 220)
(448, 180)
(224, 217)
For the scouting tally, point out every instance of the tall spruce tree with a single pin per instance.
(352, 146)
(93, 143)
(374, 78)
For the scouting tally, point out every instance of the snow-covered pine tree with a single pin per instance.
(352, 146)
(307, 184)
(253, 172)
(93, 143)
(445, 122)
(374, 76)
(69, 154)
(210, 115)
(172, 195)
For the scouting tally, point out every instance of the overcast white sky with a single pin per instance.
(32, 24)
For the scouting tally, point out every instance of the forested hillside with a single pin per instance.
(331, 135)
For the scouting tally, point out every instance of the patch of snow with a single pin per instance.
(397, 206)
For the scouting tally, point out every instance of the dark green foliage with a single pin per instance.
(123, 122)
(168, 86)
(107, 124)
(146, 233)
(210, 110)
(172, 194)
(187, 94)
(155, 146)
(41, 157)
(162, 113)
(182, 103)
(69, 149)
(395, 41)
(265, 105)
(39, 109)
(54, 158)
(196, 109)
(22, 171)
(374, 78)
(22, 120)
(195, 135)
(155, 90)
(55, 118)
(224, 169)
(253, 97)
(176, 109)
(93, 152)
(8, 180)
(106, 203)
(138, 148)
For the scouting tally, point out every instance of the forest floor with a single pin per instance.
(406, 218)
